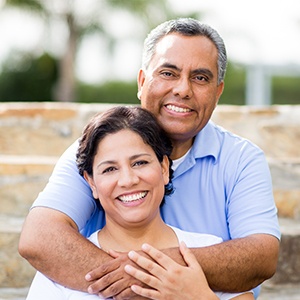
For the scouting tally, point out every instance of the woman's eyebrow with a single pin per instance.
(111, 161)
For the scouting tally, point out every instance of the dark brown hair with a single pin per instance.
(118, 118)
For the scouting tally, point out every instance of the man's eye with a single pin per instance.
(167, 74)
(201, 78)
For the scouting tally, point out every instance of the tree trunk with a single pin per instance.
(65, 90)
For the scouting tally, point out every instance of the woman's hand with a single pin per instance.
(169, 279)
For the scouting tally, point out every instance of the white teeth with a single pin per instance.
(178, 109)
(134, 197)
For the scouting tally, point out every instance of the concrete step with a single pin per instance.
(288, 268)
(22, 177)
(14, 270)
(32, 125)
(14, 293)
(286, 186)
(21, 180)
(42, 128)
(280, 292)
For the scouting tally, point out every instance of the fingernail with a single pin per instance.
(131, 254)
(128, 268)
(88, 277)
(145, 246)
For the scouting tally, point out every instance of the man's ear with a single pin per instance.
(220, 89)
(91, 183)
(140, 82)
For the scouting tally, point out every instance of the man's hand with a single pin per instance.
(110, 279)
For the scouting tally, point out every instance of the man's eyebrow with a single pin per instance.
(204, 71)
(170, 66)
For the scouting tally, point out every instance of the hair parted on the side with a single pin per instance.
(114, 120)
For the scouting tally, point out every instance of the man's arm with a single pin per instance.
(234, 266)
(237, 265)
(51, 242)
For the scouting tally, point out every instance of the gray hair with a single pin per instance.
(186, 27)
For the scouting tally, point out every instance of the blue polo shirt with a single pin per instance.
(223, 187)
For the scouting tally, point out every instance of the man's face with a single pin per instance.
(180, 85)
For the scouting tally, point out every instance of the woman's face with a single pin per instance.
(128, 179)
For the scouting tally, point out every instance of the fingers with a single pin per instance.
(143, 277)
(163, 260)
(108, 285)
(188, 256)
(110, 279)
(147, 293)
(104, 269)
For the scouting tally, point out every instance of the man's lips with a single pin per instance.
(178, 109)
(132, 197)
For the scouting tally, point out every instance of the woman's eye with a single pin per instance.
(140, 163)
(109, 169)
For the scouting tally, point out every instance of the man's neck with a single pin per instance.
(180, 148)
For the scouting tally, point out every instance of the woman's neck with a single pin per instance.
(116, 237)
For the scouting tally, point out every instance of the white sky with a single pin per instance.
(266, 31)
(254, 31)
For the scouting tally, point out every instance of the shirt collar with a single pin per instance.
(207, 142)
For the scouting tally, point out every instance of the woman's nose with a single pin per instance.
(128, 177)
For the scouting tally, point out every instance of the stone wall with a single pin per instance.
(34, 135)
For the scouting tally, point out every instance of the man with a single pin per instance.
(222, 182)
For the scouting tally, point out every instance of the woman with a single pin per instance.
(124, 156)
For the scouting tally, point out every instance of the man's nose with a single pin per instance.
(183, 88)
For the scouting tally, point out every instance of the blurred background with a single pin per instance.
(90, 51)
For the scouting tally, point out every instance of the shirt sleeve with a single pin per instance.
(250, 202)
(43, 288)
(67, 191)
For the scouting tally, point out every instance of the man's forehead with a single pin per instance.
(194, 51)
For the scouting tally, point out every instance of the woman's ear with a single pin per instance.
(91, 183)
(165, 169)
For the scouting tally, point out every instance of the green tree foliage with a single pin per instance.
(235, 84)
(29, 79)
(110, 92)
(286, 90)
(148, 12)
